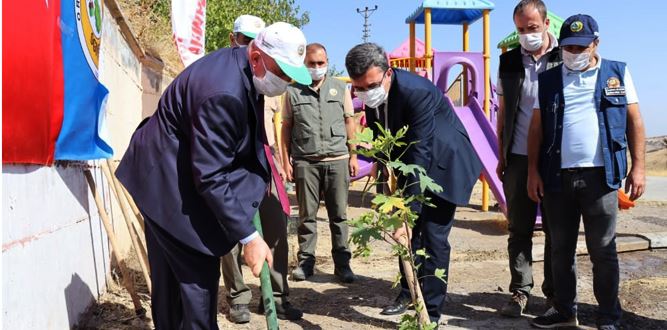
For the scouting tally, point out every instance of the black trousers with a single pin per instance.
(185, 282)
(431, 232)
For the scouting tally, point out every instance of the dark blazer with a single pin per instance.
(444, 148)
(197, 167)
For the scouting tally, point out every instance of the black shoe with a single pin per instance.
(516, 305)
(239, 313)
(344, 274)
(553, 319)
(301, 273)
(284, 311)
(399, 306)
(549, 303)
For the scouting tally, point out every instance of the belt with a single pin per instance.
(580, 169)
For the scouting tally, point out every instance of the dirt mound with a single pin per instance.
(656, 162)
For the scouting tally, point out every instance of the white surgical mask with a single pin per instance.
(373, 97)
(576, 62)
(270, 84)
(318, 73)
(531, 41)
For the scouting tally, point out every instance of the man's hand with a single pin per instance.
(281, 172)
(500, 169)
(635, 183)
(354, 165)
(255, 253)
(374, 171)
(535, 185)
(402, 234)
(289, 171)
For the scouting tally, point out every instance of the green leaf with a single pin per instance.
(440, 274)
(426, 182)
(379, 199)
(365, 136)
(393, 222)
(391, 203)
(397, 280)
(422, 252)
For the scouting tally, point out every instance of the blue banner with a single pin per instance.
(85, 96)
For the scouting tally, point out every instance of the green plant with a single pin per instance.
(391, 211)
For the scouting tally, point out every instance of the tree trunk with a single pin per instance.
(413, 284)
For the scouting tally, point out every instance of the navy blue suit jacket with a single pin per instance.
(197, 167)
(443, 146)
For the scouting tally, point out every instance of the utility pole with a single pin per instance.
(367, 26)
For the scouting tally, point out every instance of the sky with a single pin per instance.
(630, 31)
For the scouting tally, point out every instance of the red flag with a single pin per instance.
(32, 74)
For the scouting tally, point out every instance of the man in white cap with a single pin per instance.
(246, 28)
(198, 170)
(273, 218)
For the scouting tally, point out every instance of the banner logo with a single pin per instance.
(89, 26)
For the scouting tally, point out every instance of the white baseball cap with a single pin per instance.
(286, 44)
(249, 25)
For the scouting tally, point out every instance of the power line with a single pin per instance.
(367, 26)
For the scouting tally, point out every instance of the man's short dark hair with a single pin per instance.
(315, 45)
(242, 37)
(538, 4)
(363, 57)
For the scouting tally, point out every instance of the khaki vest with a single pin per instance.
(318, 124)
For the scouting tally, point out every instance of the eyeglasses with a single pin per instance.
(371, 86)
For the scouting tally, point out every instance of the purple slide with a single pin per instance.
(480, 129)
(484, 141)
(365, 167)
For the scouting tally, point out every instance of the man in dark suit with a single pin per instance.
(198, 170)
(396, 98)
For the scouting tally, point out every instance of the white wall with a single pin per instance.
(55, 255)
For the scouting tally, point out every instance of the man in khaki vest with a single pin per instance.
(318, 121)
(274, 220)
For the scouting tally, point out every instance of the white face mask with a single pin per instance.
(318, 73)
(270, 84)
(373, 97)
(531, 41)
(576, 62)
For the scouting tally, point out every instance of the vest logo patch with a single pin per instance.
(333, 92)
(618, 91)
(614, 87)
(576, 26)
(613, 82)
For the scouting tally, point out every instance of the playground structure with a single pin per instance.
(477, 91)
